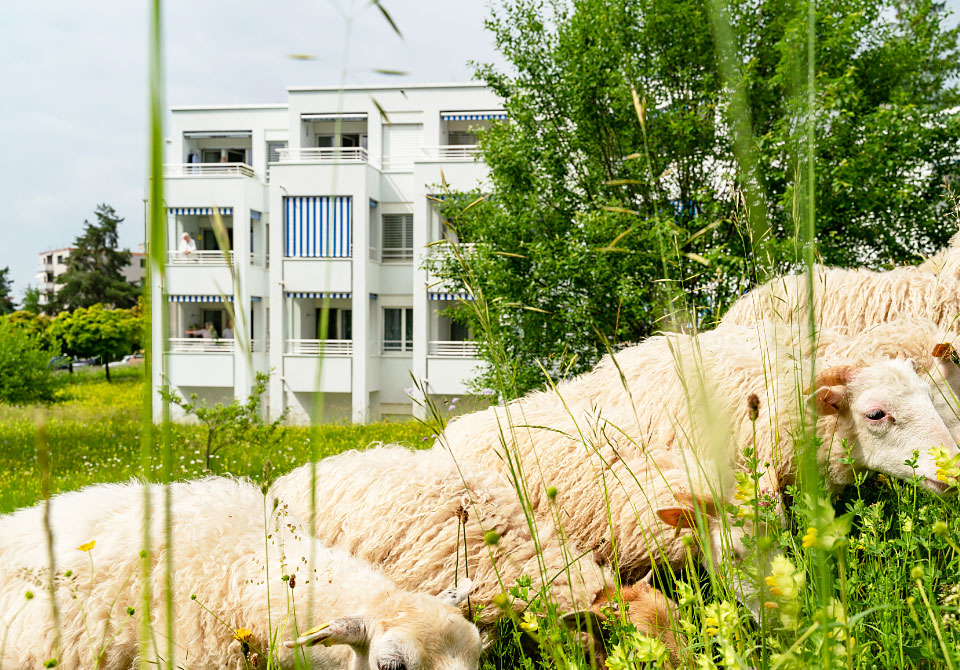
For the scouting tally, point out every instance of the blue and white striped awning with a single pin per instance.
(200, 211)
(255, 298)
(317, 226)
(198, 298)
(472, 116)
(450, 296)
(318, 295)
(349, 116)
(254, 215)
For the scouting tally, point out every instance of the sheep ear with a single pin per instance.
(345, 630)
(457, 594)
(829, 399)
(693, 502)
(677, 517)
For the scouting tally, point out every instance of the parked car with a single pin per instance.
(135, 358)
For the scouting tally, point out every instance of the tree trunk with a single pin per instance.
(106, 367)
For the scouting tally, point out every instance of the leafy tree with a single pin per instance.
(97, 331)
(6, 292)
(24, 373)
(36, 326)
(616, 196)
(236, 423)
(95, 268)
(31, 300)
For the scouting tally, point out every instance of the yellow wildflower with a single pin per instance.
(811, 539)
(242, 634)
(882, 478)
(948, 465)
(785, 583)
(87, 546)
(529, 622)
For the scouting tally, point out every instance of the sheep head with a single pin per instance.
(406, 630)
(886, 412)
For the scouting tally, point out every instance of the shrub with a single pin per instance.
(24, 374)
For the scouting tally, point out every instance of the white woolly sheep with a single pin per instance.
(689, 394)
(857, 299)
(221, 553)
(423, 521)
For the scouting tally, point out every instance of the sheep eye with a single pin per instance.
(876, 415)
(393, 664)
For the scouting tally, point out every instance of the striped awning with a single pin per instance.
(254, 215)
(198, 298)
(472, 116)
(317, 226)
(255, 298)
(316, 295)
(353, 116)
(215, 134)
(200, 211)
(450, 296)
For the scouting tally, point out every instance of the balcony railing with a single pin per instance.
(200, 345)
(452, 349)
(47, 287)
(315, 347)
(200, 258)
(208, 170)
(449, 152)
(324, 155)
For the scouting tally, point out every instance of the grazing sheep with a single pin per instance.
(853, 300)
(590, 436)
(422, 520)
(221, 553)
(651, 612)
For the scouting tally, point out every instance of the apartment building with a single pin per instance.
(53, 263)
(326, 202)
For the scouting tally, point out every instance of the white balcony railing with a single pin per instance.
(200, 258)
(47, 287)
(324, 155)
(200, 345)
(449, 152)
(452, 349)
(208, 170)
(315, 347)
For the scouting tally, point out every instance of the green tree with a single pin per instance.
(24, 373)
(615, 195)
(239, 423)
(31, 300)
(36, 326)
(95, 268)
(97, 331)
(6, 292)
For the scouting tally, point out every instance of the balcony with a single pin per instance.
(200, 345)
(452, 349)
(450, 153)
(324, 155)
(47, 287)
(172, 170)
(200, 258)
(320, 347)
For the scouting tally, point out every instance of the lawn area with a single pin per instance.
(93, 434)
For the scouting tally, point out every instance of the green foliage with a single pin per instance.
(24, 374)
(108, 334)
(35, 325)
(239, 423)
(612, 215)
(6, 292)
(95, 268)
(31, 300)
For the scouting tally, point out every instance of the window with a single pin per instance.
(398, 237)
(339, 324)
(60, 260)
(210, 156)
(462, 138)
(398, 329)
(236, 155)
(273, 151)
(143, 262)
(325, 141)
(459, 332)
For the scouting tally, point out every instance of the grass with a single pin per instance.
(94, 436)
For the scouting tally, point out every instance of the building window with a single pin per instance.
(462, 138)
(398, 329)
(339, 324)
(143, 262)
(59, 260)
(325, 141)
(273, 151)
(398, 237)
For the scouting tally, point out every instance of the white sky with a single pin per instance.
(73, 85)
(73, 125)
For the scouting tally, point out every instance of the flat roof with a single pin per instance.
(384, 87)
(220, 108)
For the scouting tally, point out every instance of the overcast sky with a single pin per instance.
(73, 89)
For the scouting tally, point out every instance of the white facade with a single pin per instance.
(325, 204)
(53, 263)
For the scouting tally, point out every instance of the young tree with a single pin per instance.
(616, 196)
(239, 423)
(108, 334)
(31, 300)
(36, 326)
(6, 292)
(95, 268)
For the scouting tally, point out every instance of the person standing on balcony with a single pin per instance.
(187, 245)
(228, 330)
(207, 332)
